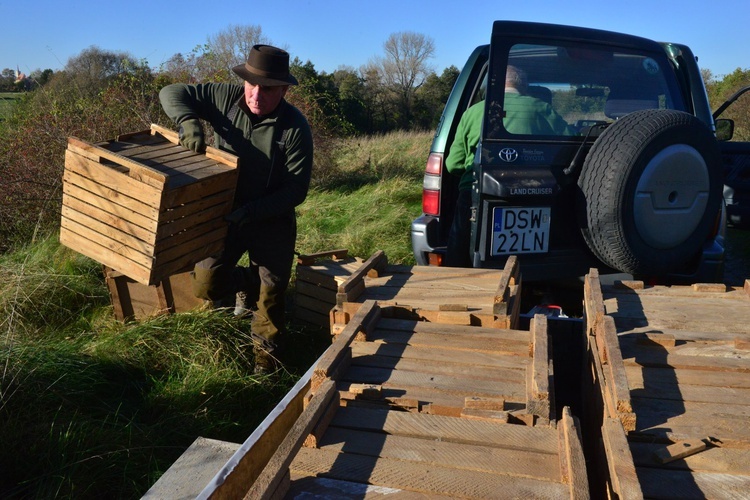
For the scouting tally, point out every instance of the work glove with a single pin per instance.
(238, 216)
(191, 135)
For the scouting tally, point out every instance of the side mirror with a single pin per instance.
(724, 129)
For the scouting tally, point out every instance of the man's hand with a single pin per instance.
(238, 217)
(191, 135)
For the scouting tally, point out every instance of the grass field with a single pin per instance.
(7, 101)
(94, 408)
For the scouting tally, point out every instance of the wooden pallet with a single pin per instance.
(670, 373)
(459, 296)
(419, 408)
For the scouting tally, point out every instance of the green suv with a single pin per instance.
(630, 183)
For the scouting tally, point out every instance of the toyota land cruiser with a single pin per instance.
(635, 188)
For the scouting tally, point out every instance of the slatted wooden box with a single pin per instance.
(144, 205)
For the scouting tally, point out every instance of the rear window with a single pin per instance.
(559, 91)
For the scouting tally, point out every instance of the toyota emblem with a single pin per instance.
(508, 155)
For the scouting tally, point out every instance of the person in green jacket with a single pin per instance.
(523, 114)
(274, 144)
(526, 114)
(460, 161)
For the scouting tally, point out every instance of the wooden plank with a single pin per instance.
(391, 379)
(211, 152)
(110, 184)
(572, 461)
(116, 215)
(511, 461)
(622, 472)
(245, 466)
(666, 483)
(377, 260)
(332, 358)
(309, 259)
(135, 169)
(508, 279)
(613, 364)
(85, 225)
(665, 357)
(680, 450)
(420, 425)
(267, 482)
(593, 301)
(679, 420)
(479, 359)
(522, 337)
(303, 486)
(471, 341)
(538, 397)
(69, 237)
(666, 379)
(721, 459)
(218, 183)
(415, 476)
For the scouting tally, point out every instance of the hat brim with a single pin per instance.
(245, 74)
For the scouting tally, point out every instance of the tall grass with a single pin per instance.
(94, 408)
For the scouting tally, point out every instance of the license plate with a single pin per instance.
(520, 230)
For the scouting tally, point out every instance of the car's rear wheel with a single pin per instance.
(651, 189)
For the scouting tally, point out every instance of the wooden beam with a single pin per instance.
(265, 486)
(572, 461)
(538, 398)
(366, 317)
(623, 476)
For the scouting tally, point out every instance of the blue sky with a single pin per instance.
(330, 33)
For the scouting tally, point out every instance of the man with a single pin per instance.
(523, 114)
(526, 114)
(274, 144)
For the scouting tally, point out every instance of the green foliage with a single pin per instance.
(113, 97)
(739, 111)
(92, 408)
(367, 202)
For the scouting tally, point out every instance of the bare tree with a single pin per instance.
(404, 69)
(228, 48)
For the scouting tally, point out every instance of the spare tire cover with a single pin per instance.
(650, 191)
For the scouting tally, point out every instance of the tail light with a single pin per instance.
(431, 184)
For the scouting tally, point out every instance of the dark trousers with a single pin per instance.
(458, 252)
(270, 248)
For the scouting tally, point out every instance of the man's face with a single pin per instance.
(263, 100)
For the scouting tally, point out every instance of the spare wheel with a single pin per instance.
(651, 189)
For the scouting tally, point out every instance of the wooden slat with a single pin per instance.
(508, 279)
(211, 152)
(268, 481)
(108, 183)
(666, 483)
(136, 170)
(538, 397)
(511, 461)
(334, 357)
(572, 461)
(426, 478)
(622, 473)
(419, 425)
(438, 356)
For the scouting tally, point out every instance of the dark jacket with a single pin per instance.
(273, 178)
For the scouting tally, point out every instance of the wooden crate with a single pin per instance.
(669, 392)
(144, 205)
(133, 300)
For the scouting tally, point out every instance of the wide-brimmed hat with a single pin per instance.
(266, 65)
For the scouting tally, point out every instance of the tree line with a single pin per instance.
(100, 94)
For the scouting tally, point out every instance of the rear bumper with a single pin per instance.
(425, 238)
